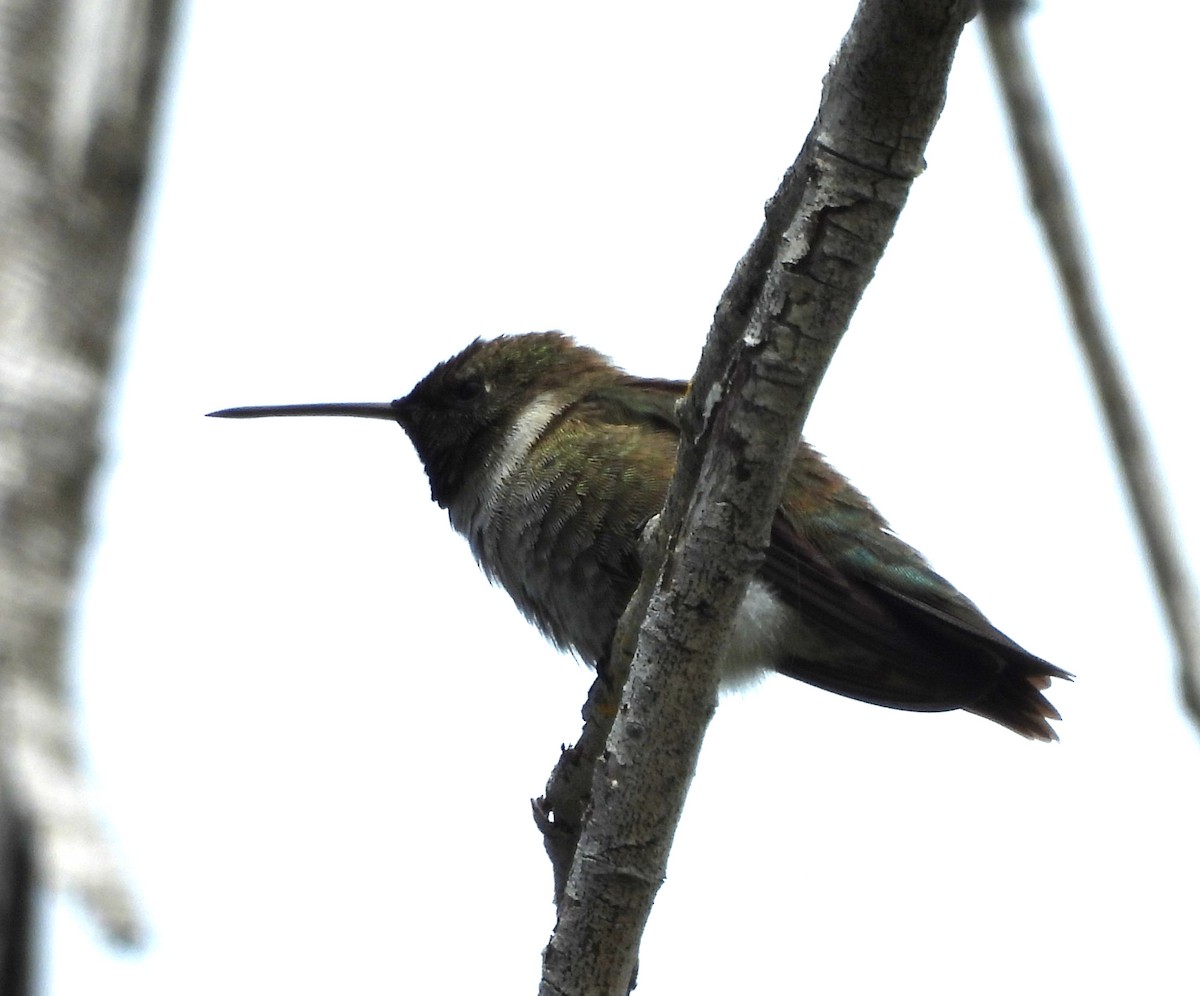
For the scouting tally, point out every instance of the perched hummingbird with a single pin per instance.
(550, 461)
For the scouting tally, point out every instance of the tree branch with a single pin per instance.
(773, 335)
(1056, 211)
(69, 200)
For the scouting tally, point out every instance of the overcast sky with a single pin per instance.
(315, 727)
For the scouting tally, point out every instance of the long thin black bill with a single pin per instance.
(365, 409)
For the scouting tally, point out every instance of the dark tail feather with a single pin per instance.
(1013, 698)
(1016, 700)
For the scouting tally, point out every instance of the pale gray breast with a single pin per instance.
(532, 536)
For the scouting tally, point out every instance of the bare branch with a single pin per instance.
(773, 336)
(1056, 210)
(68, 208)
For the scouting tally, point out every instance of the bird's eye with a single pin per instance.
(468, 390)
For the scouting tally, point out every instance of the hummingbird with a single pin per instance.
(551, 460)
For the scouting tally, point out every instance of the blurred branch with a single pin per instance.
(1056, 210)
(18, 911)
(70, 190)
(773, 336)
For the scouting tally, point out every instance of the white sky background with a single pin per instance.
(316, 728)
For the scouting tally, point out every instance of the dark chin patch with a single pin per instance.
(445, 476)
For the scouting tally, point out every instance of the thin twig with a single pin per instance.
(1056, 210)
